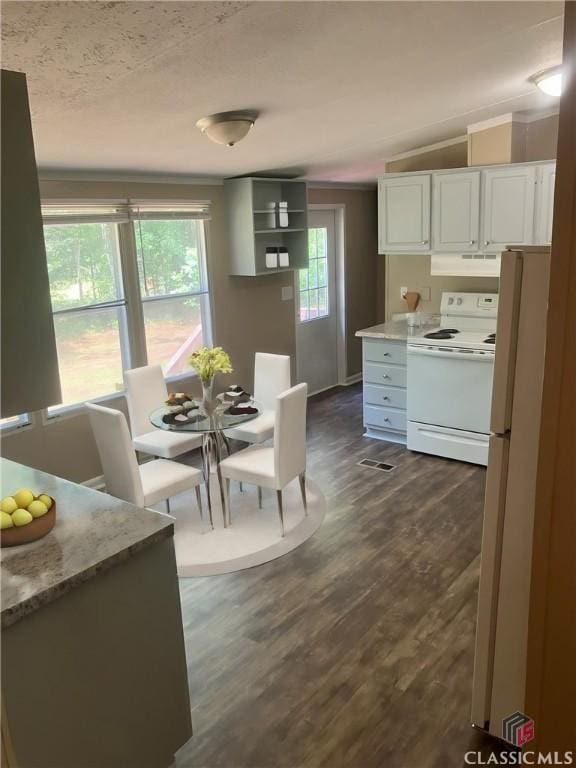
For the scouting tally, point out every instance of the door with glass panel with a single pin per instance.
(316, 335)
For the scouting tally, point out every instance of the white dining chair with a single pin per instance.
(275, 466)
(140, 484)
(271, 377)
(145, 392)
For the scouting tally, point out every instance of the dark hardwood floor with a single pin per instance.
(357, 648)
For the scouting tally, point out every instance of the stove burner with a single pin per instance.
(439, 335)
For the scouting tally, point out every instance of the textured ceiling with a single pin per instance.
(118, 86)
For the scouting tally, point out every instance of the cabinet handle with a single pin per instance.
(486, 242)
(423, 242)
(387, 419)
(472, 242)
(385, 376)
(386, 354)
(385, 397)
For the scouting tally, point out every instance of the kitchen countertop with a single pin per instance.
(93, 532)
(396, 330)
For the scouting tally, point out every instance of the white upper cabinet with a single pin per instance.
(508, 207)
(404, 213)
(456, 212)
(545, 203)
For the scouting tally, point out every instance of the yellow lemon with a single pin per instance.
(45, 499)
(22, 517)
(37, 508)
(6, 520)
(8, 505)
(23, 498)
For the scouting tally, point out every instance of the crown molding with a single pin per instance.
(428, 148)
(511, 117)
(50, 174)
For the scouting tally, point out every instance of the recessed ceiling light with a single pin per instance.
(549, 81)
(228, 127)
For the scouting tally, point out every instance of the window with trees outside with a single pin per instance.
(313, 294)
(94, 254)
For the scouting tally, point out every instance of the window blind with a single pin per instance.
(90, 211)
(169, 209)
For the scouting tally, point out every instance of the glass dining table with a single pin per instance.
(212, 428)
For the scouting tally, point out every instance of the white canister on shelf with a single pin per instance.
(271, 216)
(283, 257)
(282, 214)
(271, 257)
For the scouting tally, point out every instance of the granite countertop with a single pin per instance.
(397, 330)
(93, 532)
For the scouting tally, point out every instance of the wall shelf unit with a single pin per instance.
(250, 220)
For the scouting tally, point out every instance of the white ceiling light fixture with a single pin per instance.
(549, 81)
(228, 127)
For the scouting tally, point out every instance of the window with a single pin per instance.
(174, 290)
(14, 422)
(89, 308)
(90, 250)
(314, 280)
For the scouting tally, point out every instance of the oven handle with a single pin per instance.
(478, 357)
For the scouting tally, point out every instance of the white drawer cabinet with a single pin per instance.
(384, 375)
(389, 397)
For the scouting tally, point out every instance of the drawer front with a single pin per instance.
(390, 397)
(385, 351)
(380, 373)
(385, 418)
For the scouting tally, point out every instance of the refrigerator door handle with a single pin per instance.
(506, 337)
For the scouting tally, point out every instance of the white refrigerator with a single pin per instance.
(499, 687)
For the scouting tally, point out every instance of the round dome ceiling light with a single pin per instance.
(549, 81)
(227, 127)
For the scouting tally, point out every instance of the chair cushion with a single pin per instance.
(255, 431)
(252, 465)
(166, 444)
(162, 479)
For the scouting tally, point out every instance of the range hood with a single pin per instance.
(465, 264)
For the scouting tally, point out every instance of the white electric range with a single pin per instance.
(450, 370)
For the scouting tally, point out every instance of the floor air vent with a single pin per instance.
(376, 465)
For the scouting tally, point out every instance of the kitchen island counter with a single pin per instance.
(93, 655)
(93, 532)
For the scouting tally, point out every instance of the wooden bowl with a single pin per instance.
(24, 534)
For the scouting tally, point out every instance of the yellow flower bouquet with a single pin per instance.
(207, 363)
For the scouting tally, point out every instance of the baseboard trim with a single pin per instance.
(353, 379)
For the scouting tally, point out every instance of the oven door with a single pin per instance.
(450, 387)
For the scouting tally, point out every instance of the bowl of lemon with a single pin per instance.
(25, 517)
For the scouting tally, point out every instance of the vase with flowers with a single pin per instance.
(207, 362)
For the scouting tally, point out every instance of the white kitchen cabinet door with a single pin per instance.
(508, 207)
(456, 212)
(404, 214)
(545, 203)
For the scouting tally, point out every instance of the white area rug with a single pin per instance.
(254, 536)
